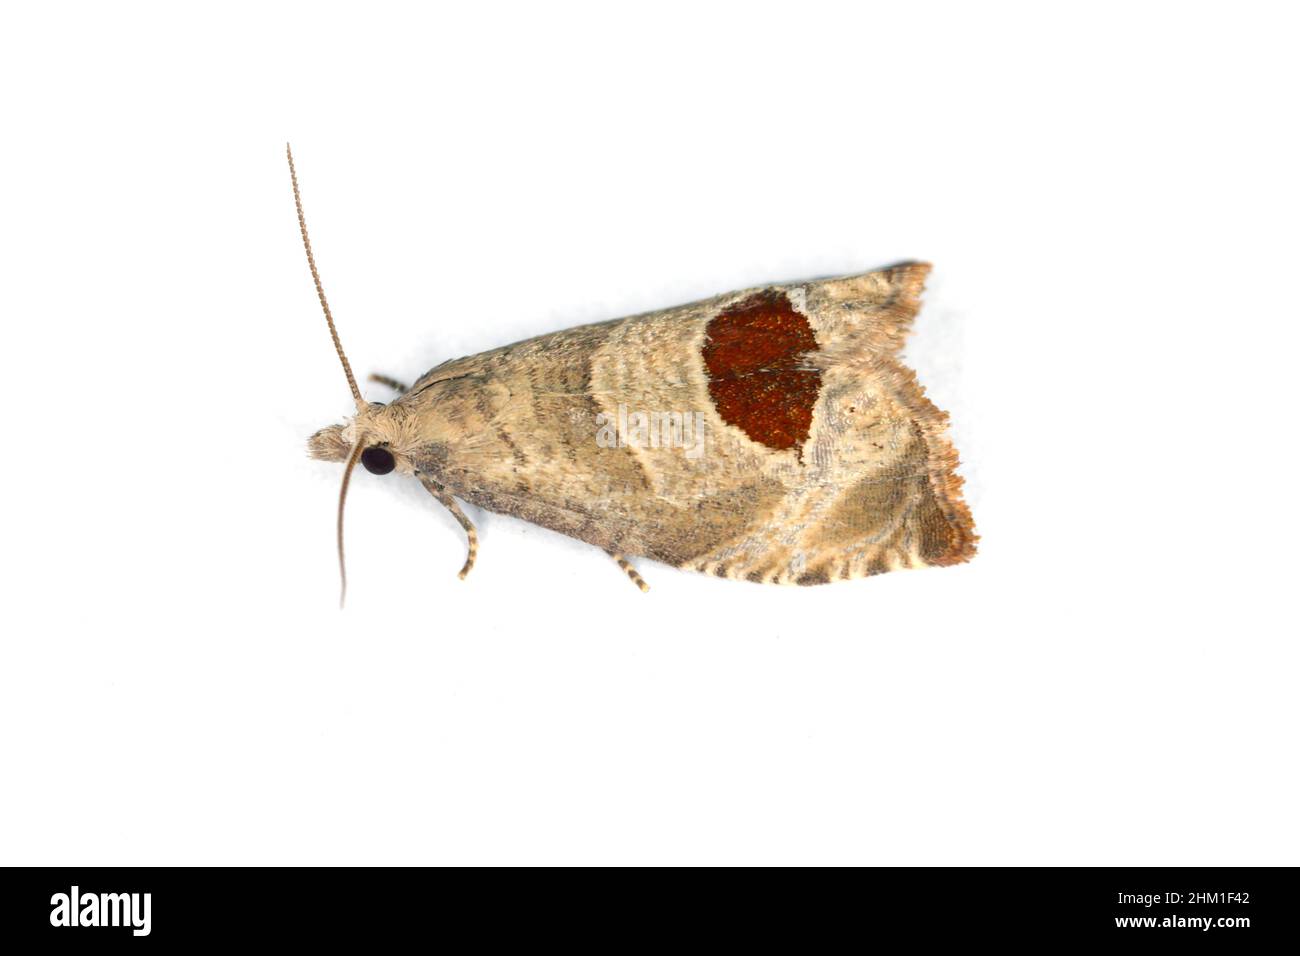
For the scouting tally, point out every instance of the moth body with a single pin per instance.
(769, 435)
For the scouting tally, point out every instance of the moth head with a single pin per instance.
(379, 434)
(385, 434)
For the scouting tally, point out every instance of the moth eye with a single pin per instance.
(378, 461)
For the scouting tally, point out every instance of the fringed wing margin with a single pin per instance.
(864, 322)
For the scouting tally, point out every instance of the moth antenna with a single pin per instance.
(343, 497)
(320, 289)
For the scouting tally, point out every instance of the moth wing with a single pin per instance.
(816, 455)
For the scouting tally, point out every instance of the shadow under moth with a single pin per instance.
(769, 435)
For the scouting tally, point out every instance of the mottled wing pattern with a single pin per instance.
(820, 458)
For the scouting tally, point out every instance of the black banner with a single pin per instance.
(141, 907)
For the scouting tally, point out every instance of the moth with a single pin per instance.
(769, 435)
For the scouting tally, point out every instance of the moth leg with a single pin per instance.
(630, 571)
(392, 383)
(449, 503)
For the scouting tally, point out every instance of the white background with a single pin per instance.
(1108, 194)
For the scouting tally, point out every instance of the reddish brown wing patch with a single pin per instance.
(752, 352)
